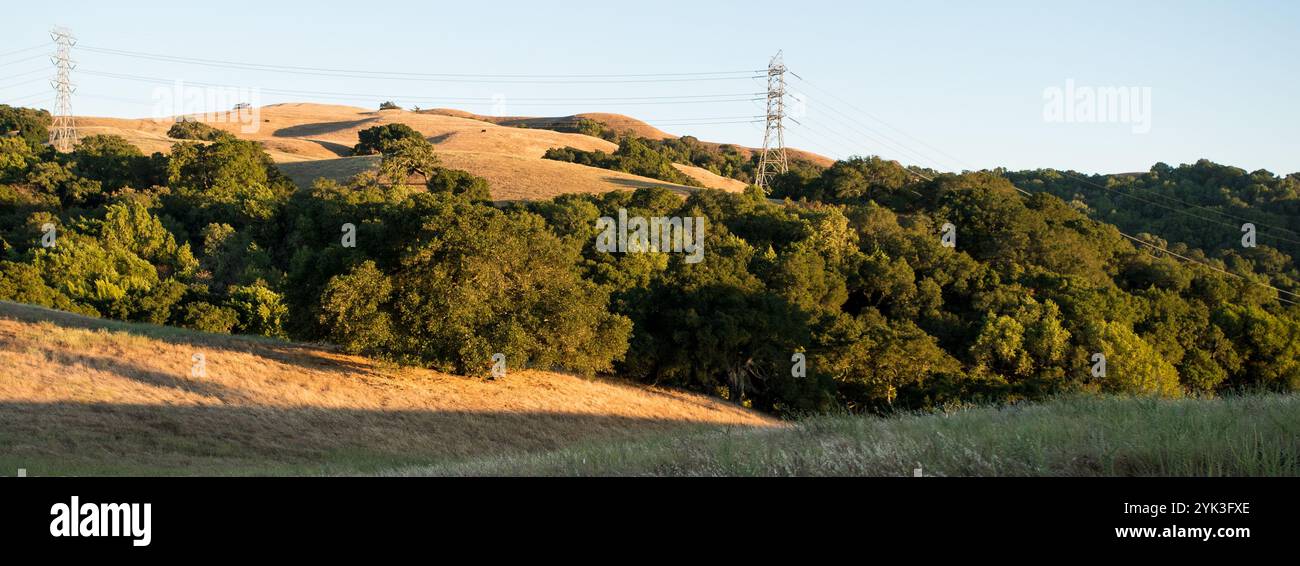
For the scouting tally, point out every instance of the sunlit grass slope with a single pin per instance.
(87, 396)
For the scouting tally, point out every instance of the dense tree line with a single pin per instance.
(634, 155)
(654, 158)
(851, 273)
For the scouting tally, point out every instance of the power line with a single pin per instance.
(531, 120)
(20, 83)
(1180, 201)
(877, 119)
(551, 101)
(1169, 208)
(823, 131)
(826, 151)
(850, 141)
(25, 49)
(565, 119)
(511, 102)
(32, 58)
(881, 138)
(535, 122)
(1216, 268)
(1209, 265)
(31, 72)
(648, 122)
(883, 143)
(650, 100)
(596, 98)
(822, 149)
(722, 98)
(819, 138)
(404, 73)
(27, 96)
(437, 77)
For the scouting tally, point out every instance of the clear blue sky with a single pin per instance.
(965, 78)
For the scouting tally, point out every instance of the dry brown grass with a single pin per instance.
(81, 395)
(511, 177)
(619, 122)
(710, 179)
(298, 131)
(311, 141)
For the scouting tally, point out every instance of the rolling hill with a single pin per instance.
(91, 396)
(311, 141)
(619, 122)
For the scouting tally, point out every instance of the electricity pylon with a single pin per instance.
(63, 133)
(773, 161)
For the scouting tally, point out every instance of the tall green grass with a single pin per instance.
(1248, 435)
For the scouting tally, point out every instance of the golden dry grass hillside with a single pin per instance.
(89, 396)
(619, 122)
(512, 177)
(311, 141)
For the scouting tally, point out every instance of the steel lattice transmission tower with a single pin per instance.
(773, 161)
(63, 133)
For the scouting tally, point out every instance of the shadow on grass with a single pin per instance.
(318, 128)
(125, 369)
(337, 149)
(639, 184)
(134, 439)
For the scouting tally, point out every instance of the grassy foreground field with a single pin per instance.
(1257, 435)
